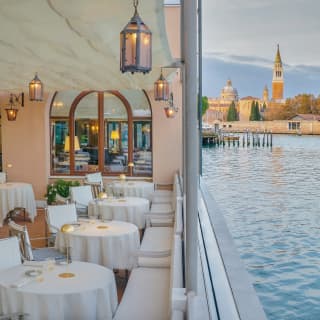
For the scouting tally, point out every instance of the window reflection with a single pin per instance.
(59, 132)
(106, 149)
(142, 155)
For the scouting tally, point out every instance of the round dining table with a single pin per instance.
(142, 189)
(113, 244)
(17, 195)
(130, 209)
(89, 292)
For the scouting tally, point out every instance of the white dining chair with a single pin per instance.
(81, 196)
(59, 215)
(9, 253)
(26, 250)
(94, 178)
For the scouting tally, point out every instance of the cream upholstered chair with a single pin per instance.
(94, 178)
(59, 215)
(9, 252)
(81, 196)
(96, 183)
(27, 252)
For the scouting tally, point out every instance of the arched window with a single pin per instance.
(106, 131)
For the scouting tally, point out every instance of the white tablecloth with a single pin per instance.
(142, 189)
(91, 294)
(130, 209)
(113, 247)
(17, 194)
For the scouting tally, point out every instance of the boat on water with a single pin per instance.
(120, 130)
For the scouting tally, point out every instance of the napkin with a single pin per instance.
(21, 282)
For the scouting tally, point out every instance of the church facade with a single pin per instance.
(218, 107)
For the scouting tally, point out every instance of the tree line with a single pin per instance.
(302, 103)
(255, 115)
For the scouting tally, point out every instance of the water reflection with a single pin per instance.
(271, 202)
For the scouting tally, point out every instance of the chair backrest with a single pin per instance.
(21, 232)
(59, 215)
(81, 195)
(9, 252)
(95, 189)
(94, 178)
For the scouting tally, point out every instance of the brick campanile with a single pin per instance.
(277, 80)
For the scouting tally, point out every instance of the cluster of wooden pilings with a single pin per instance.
(247, 139)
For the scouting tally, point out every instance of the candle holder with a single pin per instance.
(67, 228)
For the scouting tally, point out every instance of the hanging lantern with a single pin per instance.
(35, 89)
(11, 114)
(161, 89)
(170, 110)
(135, 45)
(14, 100)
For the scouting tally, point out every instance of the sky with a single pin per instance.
(239, 42)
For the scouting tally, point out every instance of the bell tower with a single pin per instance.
(277, 80)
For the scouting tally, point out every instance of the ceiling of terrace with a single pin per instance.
(74, 44)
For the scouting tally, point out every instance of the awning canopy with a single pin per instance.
(74, 44)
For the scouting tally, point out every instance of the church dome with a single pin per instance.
(229, 93)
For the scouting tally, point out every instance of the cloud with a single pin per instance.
(240, 59)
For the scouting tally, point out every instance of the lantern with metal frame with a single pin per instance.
(35, 89)
(14, 100)
(135, 45)
(161, 88)
(170, 110)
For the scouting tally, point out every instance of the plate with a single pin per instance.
(33, 273)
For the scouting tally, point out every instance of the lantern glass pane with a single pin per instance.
(145, 50)
(35, 90)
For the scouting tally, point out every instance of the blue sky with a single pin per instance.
(240, 39)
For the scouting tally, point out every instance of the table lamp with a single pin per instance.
(66, 228)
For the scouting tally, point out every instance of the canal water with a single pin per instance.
(271, 201)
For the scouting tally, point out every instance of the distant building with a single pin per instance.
(269, 107)
(218, 107)
(277, 79)
(244, 107)
(306, 117)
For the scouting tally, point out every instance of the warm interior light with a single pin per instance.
(115, 135)
(67, 144)
(169, 112)
(11, 114)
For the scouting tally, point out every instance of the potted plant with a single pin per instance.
(59, 190)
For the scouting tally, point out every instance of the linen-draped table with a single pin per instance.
(142, 189)
(90, 294)
(112, 244)
(130, 209)
(14, 195)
